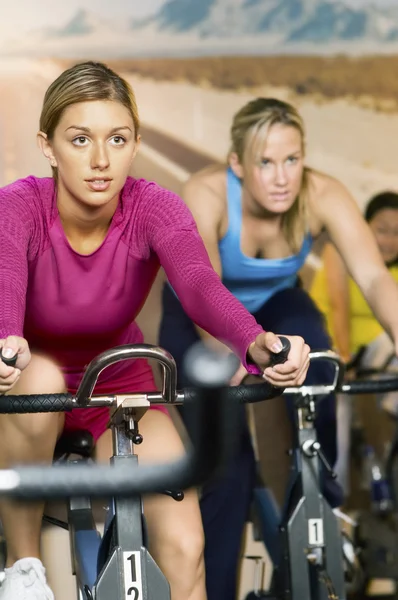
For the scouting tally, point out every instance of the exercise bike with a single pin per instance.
(312, 558)
(118, 564)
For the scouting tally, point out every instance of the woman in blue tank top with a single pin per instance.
(258, 217)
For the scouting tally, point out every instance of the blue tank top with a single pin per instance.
(253, 280)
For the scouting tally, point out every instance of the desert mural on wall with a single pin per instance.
(193, 64)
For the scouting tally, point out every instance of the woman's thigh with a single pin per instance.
(41, 376)
(293, 312)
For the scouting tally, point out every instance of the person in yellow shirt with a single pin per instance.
(351, 323)
(350, 320)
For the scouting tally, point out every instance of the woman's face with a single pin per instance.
(93, 148)
(384, 225)
(274, 182)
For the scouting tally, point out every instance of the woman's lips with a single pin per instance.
(98, 185)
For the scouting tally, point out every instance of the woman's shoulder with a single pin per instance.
(206, 183)
(325, 194)
(206, 191)
(321, 184)
(32, 184)
(142, 192)
(30, 194)
(213, 176)
(149, 204)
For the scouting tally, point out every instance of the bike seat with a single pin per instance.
(76, 442)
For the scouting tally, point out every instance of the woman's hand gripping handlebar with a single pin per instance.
(14, 357)
(293, 371)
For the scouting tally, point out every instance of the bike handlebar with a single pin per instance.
(43, 403)
(358, 386)
(201, 366)
(120, 353)
(249, 394)
(212, 439)
(214, 426)
(369, 386)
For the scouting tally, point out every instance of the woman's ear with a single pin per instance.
(235, 165)
(46, 147)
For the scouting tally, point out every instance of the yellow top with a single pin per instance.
(364, 327)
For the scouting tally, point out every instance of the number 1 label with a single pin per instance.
(315, 532)
(132, 575)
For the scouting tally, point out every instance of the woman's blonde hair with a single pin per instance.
(81, 83)
(249, 131)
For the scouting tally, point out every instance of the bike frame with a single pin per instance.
(304, 537)
(128, 566)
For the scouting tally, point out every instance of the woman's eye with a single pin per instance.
(80, 141)
(118, 140)
(292, 159)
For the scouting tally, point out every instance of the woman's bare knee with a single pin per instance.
(175, 529)
(41, 376)
(185, 547)
(182, 533)
(176, 541)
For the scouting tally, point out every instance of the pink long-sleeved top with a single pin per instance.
(73, 306)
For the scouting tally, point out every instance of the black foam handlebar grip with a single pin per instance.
(10, 362)
(36, 403)
(277, 358)
(369, 386)
(244, 394)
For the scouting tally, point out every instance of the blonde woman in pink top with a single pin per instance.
(79, 253)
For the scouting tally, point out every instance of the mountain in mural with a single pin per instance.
(204, 27)
(292, 20)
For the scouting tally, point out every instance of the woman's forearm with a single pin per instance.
(340, 323)
(382, 297)
(337, 284)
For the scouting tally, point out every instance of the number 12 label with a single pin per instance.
(315, 532)
(132, 575)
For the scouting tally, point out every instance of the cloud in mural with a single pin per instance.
(189, 27)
